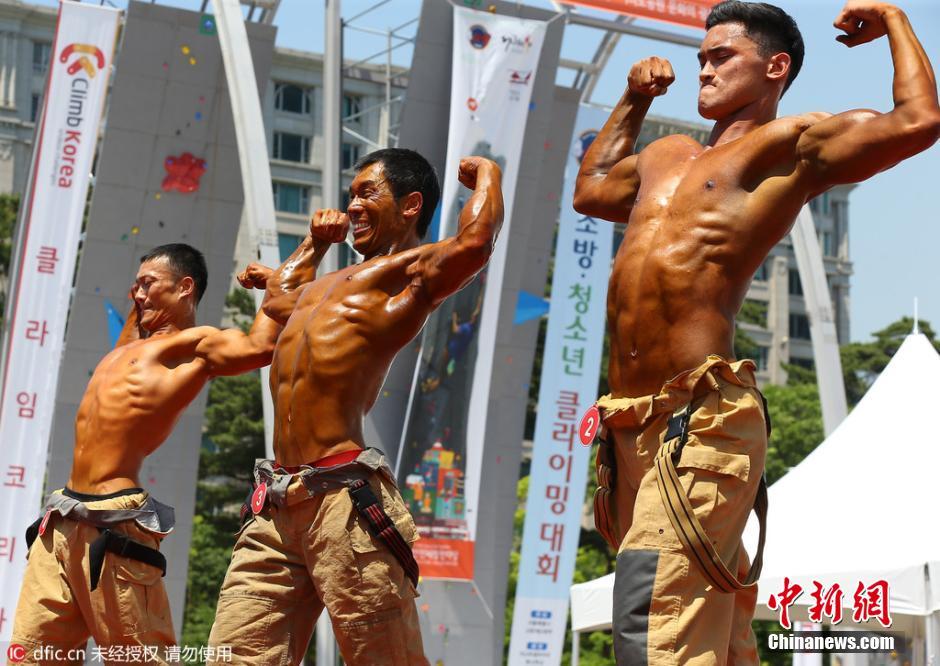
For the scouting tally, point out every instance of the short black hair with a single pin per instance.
(407, 171)
(771, 28)
(186, 261)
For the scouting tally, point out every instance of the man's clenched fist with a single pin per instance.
(255, 276)
(862, 21)
(330, 225)
(471, 167)
(651, 77)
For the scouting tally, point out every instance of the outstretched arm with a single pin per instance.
(855, 145)
(608, 182)
(284, 287)
(450, 264)
(231, 351)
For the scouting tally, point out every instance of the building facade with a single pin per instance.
(292, 107)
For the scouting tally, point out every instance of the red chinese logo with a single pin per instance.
(869, 603)
(183, 173)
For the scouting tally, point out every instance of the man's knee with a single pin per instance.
(633, 596)
(387, 637)
(245, 619)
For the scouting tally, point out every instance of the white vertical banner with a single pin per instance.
(80, 66)
(441, 455)
(494, 63)
(574, 345)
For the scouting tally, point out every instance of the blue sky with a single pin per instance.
(895, 229)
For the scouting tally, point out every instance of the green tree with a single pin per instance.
(797, 426)
(862, 362)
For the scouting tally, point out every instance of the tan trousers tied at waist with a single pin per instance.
(666, 611)
(310, 551)
(128, 609)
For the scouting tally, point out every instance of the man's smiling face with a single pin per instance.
(374, 214)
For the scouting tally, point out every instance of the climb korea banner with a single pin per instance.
(690, 13)
(441, 454)
(79, 68)
(574, 342)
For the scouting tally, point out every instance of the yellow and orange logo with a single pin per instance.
(83, 62)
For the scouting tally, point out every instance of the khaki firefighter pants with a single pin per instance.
(291, 561)
(127, 612)
(666, 612)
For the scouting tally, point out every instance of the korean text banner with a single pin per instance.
(690, 13)
(441, 456)
(79, 68)
(574, 343)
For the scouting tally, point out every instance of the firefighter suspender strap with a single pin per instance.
(382, 527)
(121, 546)
(687, 526)
(109, 541)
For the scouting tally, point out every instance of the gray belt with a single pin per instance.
(152, 515)
(320, 480)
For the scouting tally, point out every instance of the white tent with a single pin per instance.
(862, 507)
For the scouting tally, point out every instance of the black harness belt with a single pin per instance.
(109, 541)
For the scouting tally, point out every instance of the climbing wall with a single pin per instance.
(167, 172)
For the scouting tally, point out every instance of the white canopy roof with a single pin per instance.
(864, 506)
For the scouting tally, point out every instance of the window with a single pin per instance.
(35, 107)
(825, 242)
(350, 155)
(290, 198)
(799, 327)
(753, 312)
(762, 271)
(291, 147)
(763, 353)
(291, 98)
(287, 243)
(795, 286)
(840, 211)
(42, 51)
(814, 205)
(806, 363)
(352, 105)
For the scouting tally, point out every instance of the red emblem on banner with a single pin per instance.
(590, 422)
(45, 521)
(257, 498)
